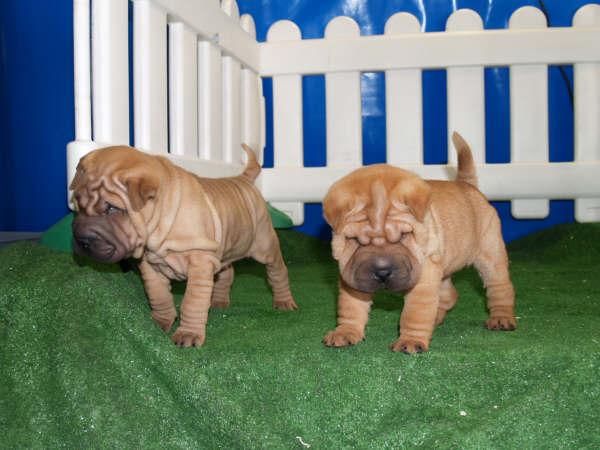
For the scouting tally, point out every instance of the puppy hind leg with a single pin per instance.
(448, 297)
(222, 287)
(267, 251)
(158, 290)
(492, 264)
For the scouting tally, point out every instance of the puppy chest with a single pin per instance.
(173, 266)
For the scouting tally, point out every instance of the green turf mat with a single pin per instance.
(82, 365)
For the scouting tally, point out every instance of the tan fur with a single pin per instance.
(430, 228)
(180, 226)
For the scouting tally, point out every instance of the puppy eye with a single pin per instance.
(111, 209)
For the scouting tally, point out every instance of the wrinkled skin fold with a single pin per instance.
(393, 230)
(130, 204)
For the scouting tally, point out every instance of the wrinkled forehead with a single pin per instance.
(93, 198)
(112, 159)
(381, 218)
(97, 181)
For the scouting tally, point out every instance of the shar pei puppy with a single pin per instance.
(179, 226)
(393, 230)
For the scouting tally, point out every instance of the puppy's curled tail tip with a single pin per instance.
(252, 167)
(466, 165)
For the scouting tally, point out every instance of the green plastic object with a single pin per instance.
(279, 218)
(58, 236)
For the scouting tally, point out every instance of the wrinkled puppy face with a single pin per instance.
(110, 189)
(374, 213)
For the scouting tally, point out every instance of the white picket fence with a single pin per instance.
(197, 95)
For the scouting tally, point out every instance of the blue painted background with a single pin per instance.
(36, 99)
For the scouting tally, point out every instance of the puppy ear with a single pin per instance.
(80, 177)
(77, 179)
(416, 194)
(338, 243)
(140, 190)
(333, 208)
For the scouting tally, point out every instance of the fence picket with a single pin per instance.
(287, 117)
(183, 90)
(232, 150)
(403, 102)
(466, 104)
(82, 74)
(587, 113)
(251, 99)
(150, 76)
(110, 68)
(529, 113)
(343, 104)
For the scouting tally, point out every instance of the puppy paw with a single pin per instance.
(186, 338)
(409, 346)
(219, 304)
(285, 305)
(342, 337)
(501, 323)
(164, 319)
(441, 315)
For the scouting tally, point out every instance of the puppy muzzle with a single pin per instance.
(94, 236)
(371, 269)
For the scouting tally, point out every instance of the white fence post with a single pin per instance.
(529, 113)
(587, 113)
(150, 76)
(183, 90)
(82, 89)
(251, 99)
(287, 117)
(343, 104)
(232, 150)
(403, 102)
(466, 104)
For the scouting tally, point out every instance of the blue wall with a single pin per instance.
(36, 94)
(36, 111)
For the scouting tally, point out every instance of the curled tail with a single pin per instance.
(252, 167)
(466, 165)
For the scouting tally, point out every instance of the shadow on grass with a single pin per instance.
(466, 281)
(86, 261)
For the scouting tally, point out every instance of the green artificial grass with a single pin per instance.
(82, 365)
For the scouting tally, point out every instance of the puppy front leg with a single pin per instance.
(158, 290)
(418, 317)
(352, 317)
(196, 302)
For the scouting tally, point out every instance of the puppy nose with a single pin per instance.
(382, 274)
(84, 242)
(382, 268)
